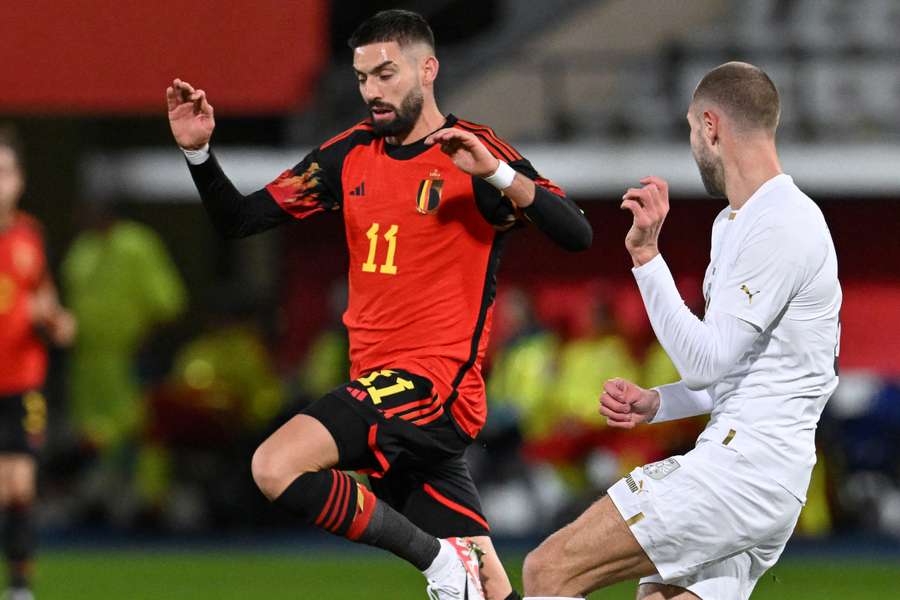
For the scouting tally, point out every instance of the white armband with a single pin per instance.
(198, 156)
(503, 177)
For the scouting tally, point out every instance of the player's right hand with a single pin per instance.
(190, 115)
(625, 404)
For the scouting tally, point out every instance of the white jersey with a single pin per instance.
(773, 265)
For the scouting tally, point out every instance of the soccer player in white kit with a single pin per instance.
(762, 363)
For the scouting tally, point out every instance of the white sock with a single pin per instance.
(446, 557)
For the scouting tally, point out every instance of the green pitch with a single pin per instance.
(324, 575)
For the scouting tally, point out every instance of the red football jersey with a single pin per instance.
(23, 357)
(424, 240)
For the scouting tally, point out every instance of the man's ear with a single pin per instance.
(429, 69)
(711, 124)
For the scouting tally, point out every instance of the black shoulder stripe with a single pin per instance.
(484, 138)
(493, 136)
(362, 126)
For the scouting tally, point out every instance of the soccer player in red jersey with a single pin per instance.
(427, 200)
(29, 314)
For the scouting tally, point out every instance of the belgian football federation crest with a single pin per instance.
(429, 196)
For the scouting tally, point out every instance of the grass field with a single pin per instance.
(311, 574)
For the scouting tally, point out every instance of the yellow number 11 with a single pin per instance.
(388, 268)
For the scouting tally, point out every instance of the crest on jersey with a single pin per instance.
(661, 469)
(429, 196)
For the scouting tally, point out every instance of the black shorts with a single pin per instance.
(391, 426)
(23, 423)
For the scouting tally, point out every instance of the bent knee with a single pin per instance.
(541, 574)
(18, 486)
(271, 472)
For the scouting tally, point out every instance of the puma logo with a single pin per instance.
(747, 291)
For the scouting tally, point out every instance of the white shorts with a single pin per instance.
(710, 521)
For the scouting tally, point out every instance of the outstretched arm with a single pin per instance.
(191, 118)
(555, 215)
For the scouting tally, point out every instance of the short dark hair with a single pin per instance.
(9, 138)
(402, 26)
(743, 91)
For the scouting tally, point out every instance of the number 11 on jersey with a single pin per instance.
(388, 268)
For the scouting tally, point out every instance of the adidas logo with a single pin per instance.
(359, 190)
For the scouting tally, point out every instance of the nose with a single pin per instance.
(370, 90)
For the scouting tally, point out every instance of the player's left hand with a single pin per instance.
(62, 328)
(466, 151)
(649, 205)
(626, 404)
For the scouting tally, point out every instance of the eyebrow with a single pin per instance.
(377, 68)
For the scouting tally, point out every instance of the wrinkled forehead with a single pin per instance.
(371, 56)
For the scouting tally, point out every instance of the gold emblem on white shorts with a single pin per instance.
(661, 469)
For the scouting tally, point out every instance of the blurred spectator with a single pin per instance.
(221, 395)
(585, 363)
(518, 497)
(327, 362)
(121, 284)
(522, 371)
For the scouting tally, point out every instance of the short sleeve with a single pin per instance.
(764, 277)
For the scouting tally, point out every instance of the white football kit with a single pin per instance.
(762, 362)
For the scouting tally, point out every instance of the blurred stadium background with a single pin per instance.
(192, 348)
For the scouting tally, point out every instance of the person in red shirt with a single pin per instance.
(428, 200)
(30, 314)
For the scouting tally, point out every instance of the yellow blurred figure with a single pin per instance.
(120, 283)
(520, 379)
(230, 370)
(585, 364)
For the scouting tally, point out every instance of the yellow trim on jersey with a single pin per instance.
(424, 194)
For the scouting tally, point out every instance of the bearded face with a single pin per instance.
(712, 171)
(397, 121)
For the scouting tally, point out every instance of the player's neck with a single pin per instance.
(430, 120)
(748, 171)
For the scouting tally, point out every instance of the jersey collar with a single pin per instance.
(778, 181)
(414, 149)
